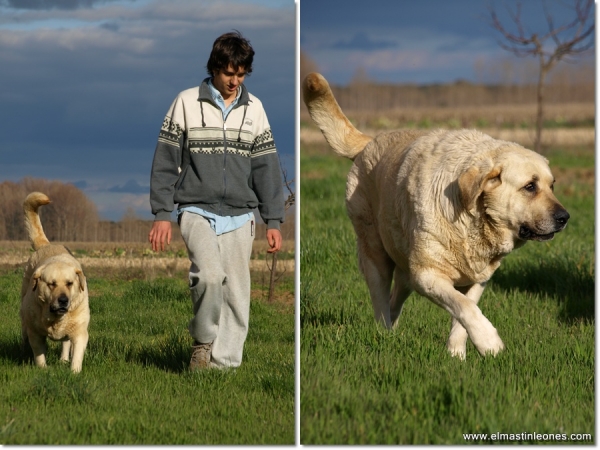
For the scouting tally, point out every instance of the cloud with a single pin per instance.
(388, 60)
(111, 26)
(51, 4)
(113, 205)
(139, 202)
(89, 86)
(360, 41)
(90, 82)
(81, 184)
(131, 187)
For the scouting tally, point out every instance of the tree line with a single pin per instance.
(512, 84)
(567, 86)
(73, 217)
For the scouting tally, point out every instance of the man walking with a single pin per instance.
(216, 159)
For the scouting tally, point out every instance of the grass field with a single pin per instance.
(135, 387)
(361, 384)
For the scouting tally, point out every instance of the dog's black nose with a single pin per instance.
(63, 300)
(561, 217)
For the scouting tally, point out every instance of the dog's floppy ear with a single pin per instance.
(473, 182)
(81, 277)
(35, 278)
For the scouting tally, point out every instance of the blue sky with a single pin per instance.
(86, 84)
(417, 41)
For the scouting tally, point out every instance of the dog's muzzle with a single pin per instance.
(61, 306)
(560, 218)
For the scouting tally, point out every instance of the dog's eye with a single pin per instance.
(530, 187)
(69, 283)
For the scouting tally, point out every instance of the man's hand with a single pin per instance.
(274, 240)
(161, 231)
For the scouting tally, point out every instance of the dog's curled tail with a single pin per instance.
(324, 110)
(32, 219)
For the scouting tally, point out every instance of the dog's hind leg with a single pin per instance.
(373, 261)
(377, 268)
(25, 346)
(457, 341)
(400, 293)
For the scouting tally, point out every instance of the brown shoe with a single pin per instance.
(200, 356)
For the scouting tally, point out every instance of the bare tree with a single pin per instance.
(69, 217)
(573, 37)
(291, 199)
(129, 222)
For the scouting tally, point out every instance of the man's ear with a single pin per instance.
(473, 182)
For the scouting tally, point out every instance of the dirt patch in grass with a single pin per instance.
(136, 256)
(106, 261)
(281, 297)
(168, 266)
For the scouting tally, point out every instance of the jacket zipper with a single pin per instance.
(224, 157)
(224, 167)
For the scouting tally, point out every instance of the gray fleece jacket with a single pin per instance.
(225, 167)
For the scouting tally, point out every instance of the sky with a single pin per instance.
(415, 41)
(86, 85)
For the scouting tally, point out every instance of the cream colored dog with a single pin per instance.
(54, 296)
(436, 211)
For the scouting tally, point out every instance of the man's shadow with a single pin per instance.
(172, 359)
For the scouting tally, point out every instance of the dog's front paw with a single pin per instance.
(457, 351)
(491, 344)
(457, 341)
(484, 336)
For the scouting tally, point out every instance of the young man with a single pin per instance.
(217, 160)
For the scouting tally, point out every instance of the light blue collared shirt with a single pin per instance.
(219, 100)
(220, 224)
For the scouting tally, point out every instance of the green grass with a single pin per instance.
(575, 157)
(135, 387)
(361, 384)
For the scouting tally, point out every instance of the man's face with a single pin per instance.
(228, 80)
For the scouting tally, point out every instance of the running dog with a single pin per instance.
(436, 212)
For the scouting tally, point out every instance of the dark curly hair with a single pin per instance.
(230, 48)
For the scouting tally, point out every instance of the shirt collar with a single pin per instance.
(218, 98)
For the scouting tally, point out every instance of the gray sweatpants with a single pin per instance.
(220, 286)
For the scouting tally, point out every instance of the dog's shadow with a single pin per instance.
(12, 351)
(573, 288)
(168, 358)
